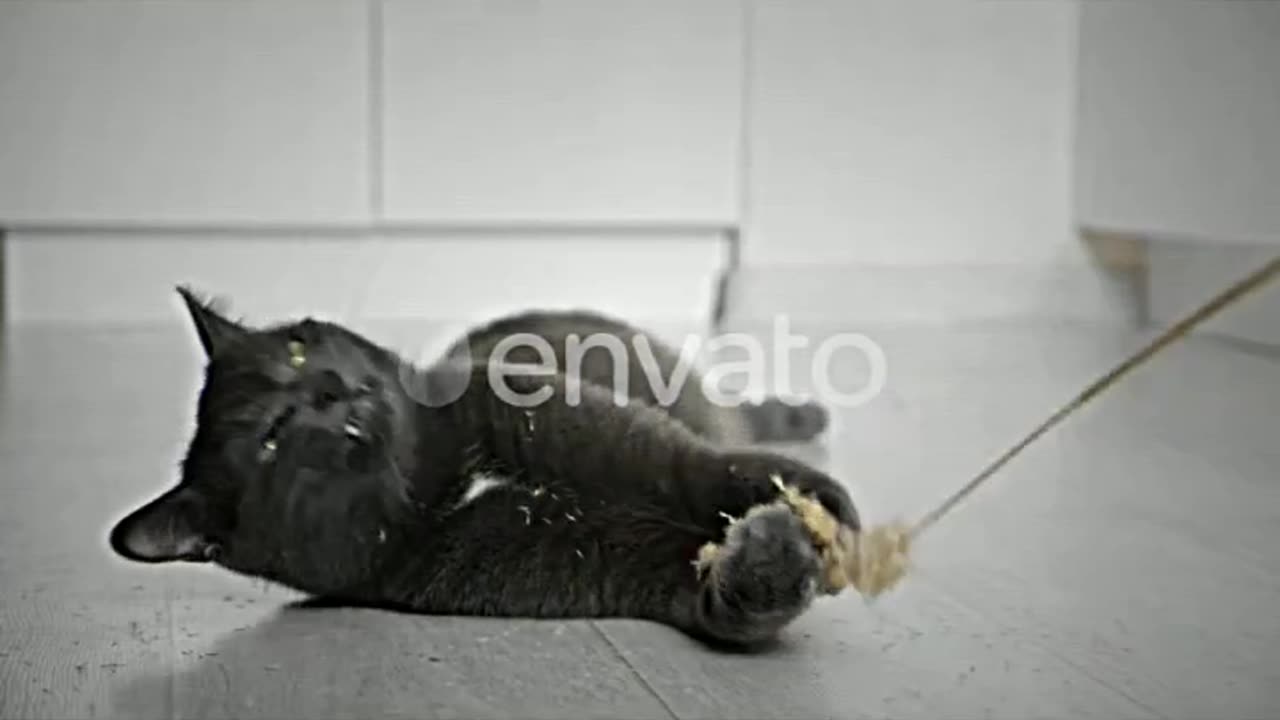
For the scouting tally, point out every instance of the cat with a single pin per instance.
(317, 464)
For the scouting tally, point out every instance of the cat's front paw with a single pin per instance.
(765, 573)
(766, 474)
(822, 505)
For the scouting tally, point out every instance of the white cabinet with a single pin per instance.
(562, 111)
(1179, 119)
(183, 112)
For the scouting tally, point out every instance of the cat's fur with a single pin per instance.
(330, 476)
(770, 420)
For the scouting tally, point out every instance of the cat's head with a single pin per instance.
(298, 460)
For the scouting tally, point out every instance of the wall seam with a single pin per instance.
(375, 97)
(737, 235)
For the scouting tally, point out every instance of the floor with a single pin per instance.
(1124, 567)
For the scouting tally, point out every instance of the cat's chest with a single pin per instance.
(484, 487)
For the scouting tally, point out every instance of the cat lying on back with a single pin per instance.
(315, 464)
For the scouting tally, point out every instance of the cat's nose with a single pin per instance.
(327, 388)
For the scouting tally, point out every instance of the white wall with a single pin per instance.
(1180, 119)
(924, 132)
(188, 112)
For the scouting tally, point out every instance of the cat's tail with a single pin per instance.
(773, 420)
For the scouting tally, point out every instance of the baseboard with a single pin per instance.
(1183, 274)
(1116, 251)
(940, 294)
(84, 278)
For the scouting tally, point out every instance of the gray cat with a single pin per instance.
(315, 464)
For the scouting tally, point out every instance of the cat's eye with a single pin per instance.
(297, 353)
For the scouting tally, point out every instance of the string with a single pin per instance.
(1227, 297)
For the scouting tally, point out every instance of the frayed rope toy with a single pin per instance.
(876, 559)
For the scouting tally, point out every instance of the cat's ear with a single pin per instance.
(166, 529)
(214, 329)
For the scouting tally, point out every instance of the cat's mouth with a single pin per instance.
(331, 432)
(364, 430)
(366, 419)
(354, 431)
(353, 411)
(359, 451)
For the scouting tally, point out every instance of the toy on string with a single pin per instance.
(875, 559)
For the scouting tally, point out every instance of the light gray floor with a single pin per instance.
(1125, 567)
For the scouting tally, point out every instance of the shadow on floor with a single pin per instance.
(308, 660)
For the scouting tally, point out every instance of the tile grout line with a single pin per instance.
(171, 683)
(644, 682)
